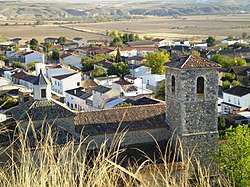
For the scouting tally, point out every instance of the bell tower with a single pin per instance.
(41, 88)
(191, 105)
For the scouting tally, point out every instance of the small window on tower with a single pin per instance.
(43, 93)
(200, 85)
(173, 84)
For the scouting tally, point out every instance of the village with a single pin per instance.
(100, 74)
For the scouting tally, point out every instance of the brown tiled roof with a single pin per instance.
(130, 77)
(108, 120)
(239, 70)
(60, 77)
(191, 61)
(19, 75)
(30, 52)
(88, 84)
(123, 82)
(38, 110)
(54, 66)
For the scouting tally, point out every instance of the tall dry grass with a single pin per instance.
(69, 165)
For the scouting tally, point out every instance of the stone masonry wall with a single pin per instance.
(192, 116)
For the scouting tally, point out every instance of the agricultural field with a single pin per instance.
(190, 27)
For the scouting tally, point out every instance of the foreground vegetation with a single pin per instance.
(48, 164)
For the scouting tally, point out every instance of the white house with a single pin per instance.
(61, 83)
(4, 81)
(102, 95)
(70, 58)
(181, 43)
(153, 81)
(55, 70)
(236, 98)
(231, 42)
(31, 56)
(106, 81)
(139, 71)
(136, 81)
(28, 81)
(125, 88)
(76, 99)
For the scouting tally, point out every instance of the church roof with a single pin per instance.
(41, 80)
(133, 118)
(191, 61)
(39, 110)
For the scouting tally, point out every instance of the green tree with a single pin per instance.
(156, 60)
(87, 65)
(118, 57)
(233, 156)
(31, 66)
(47, 46)
(123, 104)
(160, 94)
(117, 41)
(244, 35)
(62, 40)
(55, 55)
(235, 83)
(3, 58)
(120, 69)
(16, 64)
(34, 44)
(230, 37)
(146, 37)
(240, 61)
(98, 72)
(229, 77)
(226, 85)
(211, 41)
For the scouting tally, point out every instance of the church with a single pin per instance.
(189, 114)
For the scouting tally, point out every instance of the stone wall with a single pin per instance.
(192, 116)
(130, 137)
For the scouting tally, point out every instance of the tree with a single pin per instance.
(160, 94)
(120, 69)
(226, 85)
(16, 65)
(117, 42)
(3, 58)
(55, 55)
(146, 37)
(118, 57)
(98, 72)
(156, 60)
(34, 44)
(211, 41)
(87, 66)
(123, 104)
(230, 37)
(32, 66)
(244, 35)
(62, 40)
(233, 155)
(235, 83)
(47, 46)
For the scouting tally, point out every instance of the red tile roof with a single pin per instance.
(60, 77)
(123, 82)
(192, 61)
(19, 75)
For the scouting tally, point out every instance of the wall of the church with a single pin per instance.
(130, 137)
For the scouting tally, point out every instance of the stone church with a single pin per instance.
(189, 114)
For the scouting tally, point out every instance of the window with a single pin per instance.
(68, 104)
(78, 83)
(147, 82)
(75, 106)
(71, 105)
(200, 85)
(173, 84)
(43, 93)
(238, 101)
(229, 99)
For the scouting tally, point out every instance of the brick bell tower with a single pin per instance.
(191, 106)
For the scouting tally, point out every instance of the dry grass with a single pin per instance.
(69, 166)
(197, 27)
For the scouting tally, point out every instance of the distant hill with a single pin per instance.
(56, 9)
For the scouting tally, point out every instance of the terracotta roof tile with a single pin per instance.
(191, 61)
